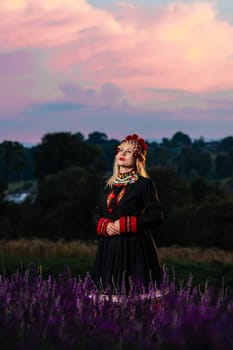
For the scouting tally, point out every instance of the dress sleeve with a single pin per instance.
(151, 214)
(98, 218)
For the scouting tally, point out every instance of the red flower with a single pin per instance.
(140, 141)
(128, 137)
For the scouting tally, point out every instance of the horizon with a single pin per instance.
(149, 140)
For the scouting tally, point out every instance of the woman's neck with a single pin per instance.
(126, 173)
(124, 170)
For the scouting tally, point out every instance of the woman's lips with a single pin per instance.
(121, 158)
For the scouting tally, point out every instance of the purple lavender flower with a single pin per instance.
(67, 313)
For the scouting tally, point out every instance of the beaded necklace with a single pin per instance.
(126, 178)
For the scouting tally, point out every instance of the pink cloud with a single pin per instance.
(17, 62)
(106, 95)
(183, 46)
(25, 79)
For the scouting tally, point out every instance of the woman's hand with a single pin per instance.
(117, 225)
(113, 228)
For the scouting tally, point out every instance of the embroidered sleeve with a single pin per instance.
(102, 226)
(128, 224)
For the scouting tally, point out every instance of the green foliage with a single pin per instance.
(216, 274)
(21, 186)
(213, 224)
(47, 266)
(180, 139)
(224, 165)
(97, 138)
(194, 182)
(10, 216)
(13, 158)
(3, 187)
(207, 224)
(62, 150)
(64, 204)
(226, 144)
(172, 189)
(192, 161)
(197, 213)
(201, 188)
(106, 149)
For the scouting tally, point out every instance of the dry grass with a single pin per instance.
(196, 254)
(46, 248)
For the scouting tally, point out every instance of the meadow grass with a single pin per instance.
(19, 185)
(46, 248)
(52, 258)
(63, 249)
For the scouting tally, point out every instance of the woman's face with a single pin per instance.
(125, 157)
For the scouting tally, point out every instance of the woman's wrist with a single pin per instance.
(102, 226)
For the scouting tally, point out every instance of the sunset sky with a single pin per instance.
(153, 67)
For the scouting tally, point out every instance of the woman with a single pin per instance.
(127, 209)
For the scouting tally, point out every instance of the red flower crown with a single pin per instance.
(141, 147)
(136, 138)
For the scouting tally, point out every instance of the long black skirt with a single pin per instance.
(126, 261)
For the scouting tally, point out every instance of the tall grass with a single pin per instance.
(197, 254)
(46, 248)
(63, 249)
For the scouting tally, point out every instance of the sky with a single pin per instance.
(151, 67)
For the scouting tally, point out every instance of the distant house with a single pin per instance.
(17, 197)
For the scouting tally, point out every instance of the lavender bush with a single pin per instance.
(69, 313)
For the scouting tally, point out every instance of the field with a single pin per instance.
(212, 265)
(49, 302)
(63, 249)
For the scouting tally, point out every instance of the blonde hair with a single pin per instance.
(140, 168)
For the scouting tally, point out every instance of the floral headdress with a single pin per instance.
(139, 146)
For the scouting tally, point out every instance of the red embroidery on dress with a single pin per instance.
(111, 196)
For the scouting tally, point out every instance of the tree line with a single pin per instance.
(192, 178)
(57, 151)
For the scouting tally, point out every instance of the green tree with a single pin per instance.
(97, 138)
(12, 154)
(173, 193)
(201, 188)
(61, 150)
(213, 223)
(224, 165)
(180, 139)
(161, 156)
(172, 189)
(226, 144)
(199, 143)
(65, 202)
(193, 161)
(3, 187)
(106, 149)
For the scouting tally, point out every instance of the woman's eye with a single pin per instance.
(126, 151)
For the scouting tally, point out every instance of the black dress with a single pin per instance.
(132, 255)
